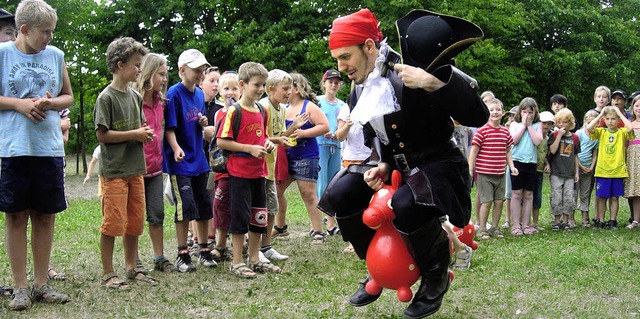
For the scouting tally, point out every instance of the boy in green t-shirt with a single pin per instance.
(121, 130)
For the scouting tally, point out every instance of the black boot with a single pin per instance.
(361, 297)
(359, 235)
(429, 246)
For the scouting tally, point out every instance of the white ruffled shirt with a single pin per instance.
(377, 99)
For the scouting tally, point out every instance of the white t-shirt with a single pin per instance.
(353, 148)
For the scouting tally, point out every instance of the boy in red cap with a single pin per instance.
(401, 104)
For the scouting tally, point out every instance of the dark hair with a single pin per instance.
(560, 99)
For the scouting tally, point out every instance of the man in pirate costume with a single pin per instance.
(407, 109)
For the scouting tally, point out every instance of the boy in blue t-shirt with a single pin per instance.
(184, 158)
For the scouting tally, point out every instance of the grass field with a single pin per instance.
(581, 274)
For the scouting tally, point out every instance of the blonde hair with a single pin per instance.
(150, 65)
(566, 115)
(304, 87)
(530, 103)
(276, 77)
(251, 69)
(227, 77)
(35, 13)
(609, 110)
(602, 88)
(121, 50)
(487, 93)
(590, 114)
(496, 101)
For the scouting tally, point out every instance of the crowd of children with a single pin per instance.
(289, 135)
(600, 155)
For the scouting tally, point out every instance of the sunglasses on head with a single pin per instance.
(211, 69)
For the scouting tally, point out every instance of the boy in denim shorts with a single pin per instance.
(247, 170)
(31, 148)
(121, 130)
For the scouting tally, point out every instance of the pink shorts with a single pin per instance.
(123, 206)
(222, 205)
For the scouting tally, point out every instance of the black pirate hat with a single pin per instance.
(428, 39)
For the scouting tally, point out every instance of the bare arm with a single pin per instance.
(178, 153)
(343, 129)
(473, 154)
(591, 127)
(317, 117)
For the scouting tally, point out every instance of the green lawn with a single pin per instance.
(581, 274)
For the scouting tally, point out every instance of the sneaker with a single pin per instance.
(48, 295)
(280, 232)
(634, 224)
(263, 258)
(613, 224)
(20, 299)
(163, 264)
(275, 255)
(597, 223)
(183, 262)
(206, 259)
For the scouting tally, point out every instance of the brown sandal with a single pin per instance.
(112, 281)
(241, 270)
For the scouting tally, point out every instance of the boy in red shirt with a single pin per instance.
(490, 152)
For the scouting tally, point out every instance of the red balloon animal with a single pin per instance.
(389, 263)
(466, 235)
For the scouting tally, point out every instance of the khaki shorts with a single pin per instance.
(491, 187)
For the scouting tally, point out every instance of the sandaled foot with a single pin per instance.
(349, 249)
(112, 281)
(48, 295)
(140, 267)
(334, 231)
(220, 254)
(280, 231)
(138, 276)
(463, 258)
(54, 275)
(243, 271)
(20, 299)
(164, 265)
(263, 267)
(318, 237)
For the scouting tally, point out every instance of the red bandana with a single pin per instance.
(354, 29)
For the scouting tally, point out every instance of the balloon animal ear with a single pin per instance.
(396, 179)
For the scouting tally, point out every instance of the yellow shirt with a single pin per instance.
(275, 128)
(611, 152)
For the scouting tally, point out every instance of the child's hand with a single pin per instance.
(300, 120)
(329, 135)
(269, 146)
(27, 108)
(144, 134)
(86, 179)
(44, 103)
(547, 168)
(203, 121)
(257, 151)
(514, 171)
(178, 155)
(561, 131)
